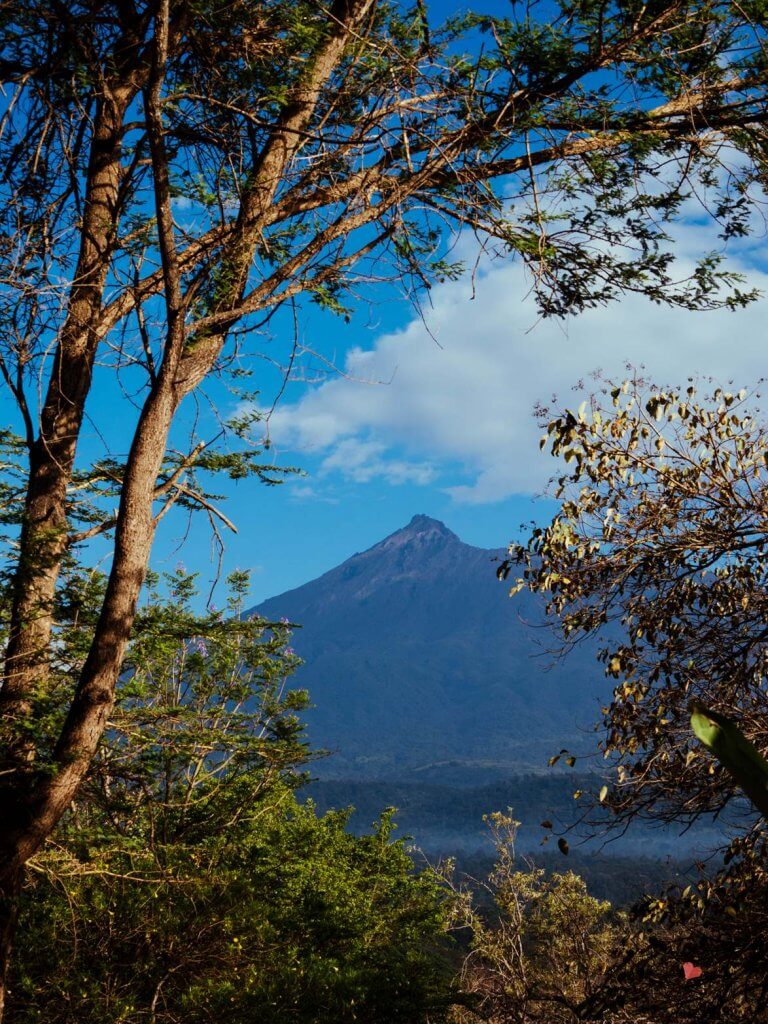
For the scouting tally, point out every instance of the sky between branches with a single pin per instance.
(434, 412)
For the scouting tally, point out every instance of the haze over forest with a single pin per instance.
(435, 692)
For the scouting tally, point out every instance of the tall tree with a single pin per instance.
(658, 550)
(172, 170)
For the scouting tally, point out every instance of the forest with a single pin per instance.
(179, 179)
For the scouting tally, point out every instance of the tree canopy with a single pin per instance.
(174, 172)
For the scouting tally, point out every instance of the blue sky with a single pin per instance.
(437, 417)
(434, 414)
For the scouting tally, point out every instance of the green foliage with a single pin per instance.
(543, 951)
(187, 882)
(284, 917)
(431, 114)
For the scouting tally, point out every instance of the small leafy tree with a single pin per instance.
(544, 948)
(282, 916)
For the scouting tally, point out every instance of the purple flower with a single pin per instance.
(289, 652)
(200, 646)
(181, 568)
(285, 621)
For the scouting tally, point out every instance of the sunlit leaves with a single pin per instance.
(658, 549)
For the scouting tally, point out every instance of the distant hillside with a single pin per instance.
(420, 667)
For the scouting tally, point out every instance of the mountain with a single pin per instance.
(421, 668)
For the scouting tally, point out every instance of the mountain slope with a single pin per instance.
(420, 666)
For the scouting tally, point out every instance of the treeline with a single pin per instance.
(460, 809)
(442, 821)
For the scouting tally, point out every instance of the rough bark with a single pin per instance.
(33, 808)
(43, 537)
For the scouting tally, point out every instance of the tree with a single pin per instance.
(544, 951)
(286, 918)
(659, 550)
(311, 147)
(187, 882)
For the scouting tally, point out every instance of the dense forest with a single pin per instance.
(178, 177)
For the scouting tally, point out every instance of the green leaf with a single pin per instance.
(739, 757)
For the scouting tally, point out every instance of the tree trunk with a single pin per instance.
(44, 530)
(36, 810)
(31, 804)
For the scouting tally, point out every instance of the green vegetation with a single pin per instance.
(544, 951)
(187, 883)
(151, 845)
(281, 917)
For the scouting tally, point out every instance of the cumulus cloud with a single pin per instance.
(461, 410)
(362, 461)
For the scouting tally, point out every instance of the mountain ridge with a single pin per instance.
(414, 658)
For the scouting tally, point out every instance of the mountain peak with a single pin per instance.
(425, 524)
(422, 537)
(421, 533)
(420, 622)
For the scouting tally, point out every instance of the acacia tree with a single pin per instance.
(658, 550)
(173, 172)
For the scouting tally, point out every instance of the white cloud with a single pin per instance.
(464, 407)
(300, 492)
(362, 461)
